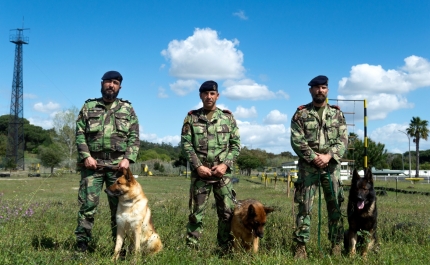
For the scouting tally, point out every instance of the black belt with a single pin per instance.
(107, 155)
(210, 165)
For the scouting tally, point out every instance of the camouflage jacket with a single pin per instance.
(208, 142)
(309, 134)
(102, 130)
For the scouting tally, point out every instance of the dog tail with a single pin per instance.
(154, 243)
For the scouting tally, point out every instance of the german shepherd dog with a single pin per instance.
(133, 216)
(247, 224)
(362, 214)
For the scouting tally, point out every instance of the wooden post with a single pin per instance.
(288, 184)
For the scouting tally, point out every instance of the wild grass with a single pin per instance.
(38, 217)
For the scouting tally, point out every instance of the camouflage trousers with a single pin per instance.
(306, 189)
(199, 196)
(90, 187)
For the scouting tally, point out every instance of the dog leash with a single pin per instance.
(319, 212)
(233, 198)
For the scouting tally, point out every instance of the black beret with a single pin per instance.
(209, 86)
(318, 81)
(112, 75)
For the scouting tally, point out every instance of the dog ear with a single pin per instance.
(268, 209)
(129, 175)
(369, 176)
(124, 173)
(251, 211)
(355, 175)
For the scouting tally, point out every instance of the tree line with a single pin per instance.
(57, 146)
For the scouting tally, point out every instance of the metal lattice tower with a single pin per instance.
(15, 144)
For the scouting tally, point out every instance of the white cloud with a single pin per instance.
(396, 141)
(46, 108)
(204, 56)
(373, 79)
(385, 90)
(162, 93)
(248, 89)
(245, 113)
(240, 14)
(183, 87)
(42, 122)
(153, 138)
(378, 106)
(275, 117)
(418, 70)
(273, 138)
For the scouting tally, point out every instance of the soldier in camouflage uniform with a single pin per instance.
(107, 133)
(319, 137)
(210, 139)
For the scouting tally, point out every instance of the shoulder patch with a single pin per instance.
(190, 112)
(91, 99)
(124, 100)
(335, 106)
(226, 111)
(301, 107)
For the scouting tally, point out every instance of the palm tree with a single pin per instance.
(418, 129)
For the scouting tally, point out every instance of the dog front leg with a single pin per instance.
(137, 238)
(255, 245)
(370, 241)
(120, 235)
(352, 242)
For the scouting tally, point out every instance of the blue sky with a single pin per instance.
(261, 53)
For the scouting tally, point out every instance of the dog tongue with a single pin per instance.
(360, 205)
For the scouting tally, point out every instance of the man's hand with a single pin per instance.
(219, 170)
(90, 163)
(204, 172)
(124, 164)
(321, 160)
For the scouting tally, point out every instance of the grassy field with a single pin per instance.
(38, 217)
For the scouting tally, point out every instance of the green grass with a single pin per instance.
(38, 217)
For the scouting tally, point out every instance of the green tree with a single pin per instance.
(247, 160)
(50, 156)
(65, 132)
(152, 154)
(376, 154)
(10, 164)
(33, 135)
(418, 130)
(182, 159)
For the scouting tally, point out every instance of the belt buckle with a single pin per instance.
(106, 156)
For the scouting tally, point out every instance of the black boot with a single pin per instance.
(82, 246)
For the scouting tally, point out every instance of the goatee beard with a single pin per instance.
(109, 96)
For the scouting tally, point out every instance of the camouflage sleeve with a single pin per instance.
(81, 142)
(234, 144)
(133, 142)
(187, 143)
(298, 140)
(338, 148)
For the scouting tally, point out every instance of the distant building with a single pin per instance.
(292, 168)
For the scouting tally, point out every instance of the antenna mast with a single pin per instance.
(15, 141)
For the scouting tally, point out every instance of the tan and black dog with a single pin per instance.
(247, 224)
(133, 216)
(362, 214)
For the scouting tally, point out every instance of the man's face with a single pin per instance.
(209, 99)
(110, 89)
(319, 93)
